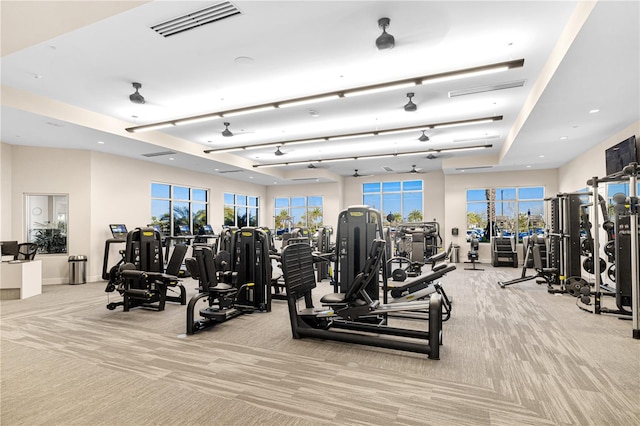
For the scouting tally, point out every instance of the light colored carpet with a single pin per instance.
(514, 356)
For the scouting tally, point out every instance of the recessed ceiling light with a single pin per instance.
(564, 137)
(171, 158)
(528, 167)
(250, 177)
(593, 111)
(275, 183)
(216, 170)
(541, 156)
(100, 142)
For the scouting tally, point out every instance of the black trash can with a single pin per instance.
(77, 269)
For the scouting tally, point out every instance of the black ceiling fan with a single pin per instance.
(414, 170)
(136, 97)
(278, 152)
(226, 132)
(357, 175)
(410, 106)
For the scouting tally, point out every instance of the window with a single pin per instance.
(302, 212)
(240, 210)
(505, 212)
(615, 188)
(47, 219)
(402, 199)
(173, 205)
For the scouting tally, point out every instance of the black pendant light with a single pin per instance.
(423, 137)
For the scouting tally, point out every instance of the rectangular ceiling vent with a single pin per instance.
(474, 168)
(158, 154)
(230, 171)
(387, 169)
(298, 179)
(192, 20)
(483, 89)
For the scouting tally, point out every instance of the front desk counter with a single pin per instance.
(20, 279)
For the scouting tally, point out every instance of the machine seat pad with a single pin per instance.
(222, 288)
(334, 299)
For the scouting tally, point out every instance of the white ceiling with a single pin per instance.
(69, 87)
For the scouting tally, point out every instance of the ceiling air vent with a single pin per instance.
(158, 154)
(473, 168)
(483, 89)
(192, 20)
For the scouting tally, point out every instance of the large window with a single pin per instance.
(46, 221)
(615, 188)
(402, 199)
(173, 205)
(305, 212)
(505, 212)
(240, 210)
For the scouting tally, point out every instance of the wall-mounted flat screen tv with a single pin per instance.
(621, 155)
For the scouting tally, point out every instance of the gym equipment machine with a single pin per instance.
(421, 288)
(357, 227)
(503, 251)
(245, 288)
(549, 275)
(473, 254)
(323, 246)
(627, 211)
(142, 280)
(346, 310)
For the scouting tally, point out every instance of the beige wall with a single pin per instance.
(5, 191)
(102, 189)
(574, 175)
(106, 189)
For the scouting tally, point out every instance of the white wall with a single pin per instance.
(53, 171)
(5, 191)
(102, 189)
(106, 189)
(455, 202)
(574, 175)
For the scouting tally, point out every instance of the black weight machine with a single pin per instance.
(353, 315)
(503, 248)
(536, 258)
(473, 255)
(245, 288)
(358, 227)
(141, 279)
(627, 251)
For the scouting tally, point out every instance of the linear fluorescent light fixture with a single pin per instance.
(355, 91)
(150, 127)
(372, 156)
(360, 134)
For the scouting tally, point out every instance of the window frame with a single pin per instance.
(192, 218)
(373, 195)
